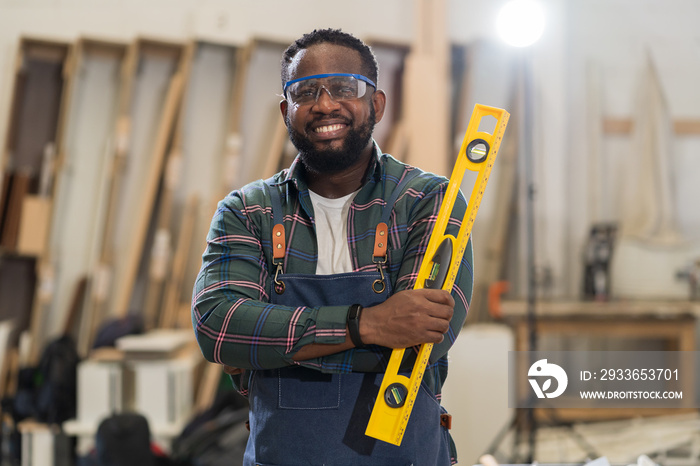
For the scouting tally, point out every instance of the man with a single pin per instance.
(295, 300)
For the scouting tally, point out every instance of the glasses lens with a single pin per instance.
(339, 88)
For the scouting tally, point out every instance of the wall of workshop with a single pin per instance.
(608, 35)
(604, 38)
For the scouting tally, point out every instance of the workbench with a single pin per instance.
(672, 323)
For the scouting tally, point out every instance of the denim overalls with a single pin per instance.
(300, 416)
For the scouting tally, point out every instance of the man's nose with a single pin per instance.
(324, 100)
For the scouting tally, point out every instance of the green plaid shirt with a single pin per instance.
(236, 325)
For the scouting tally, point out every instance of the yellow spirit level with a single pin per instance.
(439, 268)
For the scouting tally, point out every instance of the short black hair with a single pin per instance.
(331, 36)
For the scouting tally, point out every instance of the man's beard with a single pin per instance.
(333, 160)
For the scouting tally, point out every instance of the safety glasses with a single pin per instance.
(340, 86)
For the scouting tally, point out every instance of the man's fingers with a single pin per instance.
(439, 296)
(435, 337)
(440, 325)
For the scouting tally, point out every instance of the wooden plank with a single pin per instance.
(625, 126)
(82, 180)
(4, 195)
(34, 225)
(105, 228)
(200, 141)
(17, 285)
(391, 58)
(39, 105)
(596, 414)
(6, 162)
(464, 84)
(43, 49)
(43, 79)
(161, 246)
(426, 89)
(141, 211)
(278, 142)
(6, 355)
(617, 125)
(206, 391)
(147, 106)
(588, 309)
(234, 139)
(496, 243)
(397, 144)
(686, 127)
(175, 281)
(261, 98)
(19, 187)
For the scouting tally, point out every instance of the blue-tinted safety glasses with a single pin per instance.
(340, 86)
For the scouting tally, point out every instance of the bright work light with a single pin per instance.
(520, 22)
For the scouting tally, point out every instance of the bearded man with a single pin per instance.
(307, 280)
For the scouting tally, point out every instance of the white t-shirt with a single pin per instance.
(332, 233)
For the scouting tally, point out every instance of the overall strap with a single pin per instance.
(279, 243)
(381, 234)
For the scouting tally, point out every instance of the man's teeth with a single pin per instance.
(326, 129)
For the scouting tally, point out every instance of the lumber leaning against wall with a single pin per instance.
(151, 86)
(249, 153)
(29, 168)
(391, 58)
(157, 251)
(82, 179)
(194, 171)
(205, 122)
(253, 115)
(426, 89)
(259, 108)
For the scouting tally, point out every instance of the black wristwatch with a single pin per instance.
(354, 325)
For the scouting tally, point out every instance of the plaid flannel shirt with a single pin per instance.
(235, 323)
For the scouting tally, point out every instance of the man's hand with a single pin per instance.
(408, 318)
(233, 370)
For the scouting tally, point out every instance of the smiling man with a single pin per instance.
(307, 280)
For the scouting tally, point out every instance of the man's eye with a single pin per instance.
(346, 91)
(343, 90)
(307, 91)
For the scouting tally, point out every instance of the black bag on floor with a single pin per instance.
(217, 437)
(47, 392)
(113, 329)
(124, 439)
(57, 381)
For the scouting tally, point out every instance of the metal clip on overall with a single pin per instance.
(438, 270)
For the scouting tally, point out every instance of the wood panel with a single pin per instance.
(258, 108)
(426, 90)
(151, 87)
(204, 129)
(391, 58)
(625, 126)
(158, 87)
(81, 188)
(30, 164)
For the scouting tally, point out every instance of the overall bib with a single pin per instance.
(300, 416)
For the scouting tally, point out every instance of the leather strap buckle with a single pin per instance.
(446, 421)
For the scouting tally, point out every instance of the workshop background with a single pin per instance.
(124, 122)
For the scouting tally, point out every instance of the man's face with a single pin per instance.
(330, 135)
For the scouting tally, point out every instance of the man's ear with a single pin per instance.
(284, 105)
(379, 103)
